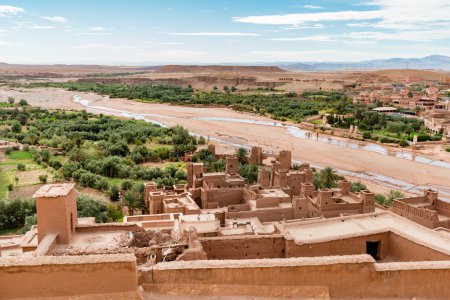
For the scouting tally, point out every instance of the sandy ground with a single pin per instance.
(269, 137)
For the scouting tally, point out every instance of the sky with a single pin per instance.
(137, 32)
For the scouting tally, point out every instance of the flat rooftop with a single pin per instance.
(92, 241)
(54, 190)
(323, 230)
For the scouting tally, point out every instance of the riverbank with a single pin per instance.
(382, 165)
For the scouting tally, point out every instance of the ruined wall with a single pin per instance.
(402, 249)
(349, 246)
(346, 277)
(106, 227)
(51, 276)
(244, 247)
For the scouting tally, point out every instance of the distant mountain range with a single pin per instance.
(437, 62)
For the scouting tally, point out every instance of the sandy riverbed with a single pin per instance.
(271, 138)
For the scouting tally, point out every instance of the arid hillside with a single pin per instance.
(218, 69)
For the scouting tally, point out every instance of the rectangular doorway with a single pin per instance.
(373, 249)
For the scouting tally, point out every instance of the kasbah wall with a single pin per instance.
(51, 276)
(346, 277)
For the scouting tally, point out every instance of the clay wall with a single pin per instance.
(336, 209)
(294, 181)
(224, 197)
(264, 215)
(267, 202)
(264, 178)
(423, 216)
(349, 246)
(346, 277)
(442, 207)
(57, 215)
(402, 249)
(285, 159)
(244, 247)
(413, 200)
(256, 156)
(232, 165)
(51, 276)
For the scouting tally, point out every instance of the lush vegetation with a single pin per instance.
(280, 106)
(386, 128)
(96, 151)
(326, 178)
(388, 199)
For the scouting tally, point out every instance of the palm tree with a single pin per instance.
(391, 196)
(328, 177)
(241, 155)
(132, 200)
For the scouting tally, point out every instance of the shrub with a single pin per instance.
(126, 185)
(366, 135)
(8, 150)
(102, 184)
(358, 187)
(29, 222)
(88, 206)
(115, 213)
(43, 178)
(379, 198)
(21, 167)
(403, 143)
(16, 127)
(13, 212)
(55, 164)
(447, 149)
(23, 102)
(114, 193)
(10, 186)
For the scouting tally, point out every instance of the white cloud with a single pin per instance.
(312, 38)
(214, 34)
(360, 24)
(56, 19)
(297, 19)
(104, 46)
(310, 6)
(41, 27)
(403, 20)
(171, 43)
(96, 28)
(94, 33)
(370, 37)
(6, 10)
(6, 43)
